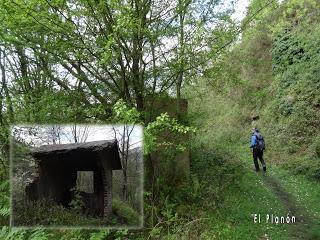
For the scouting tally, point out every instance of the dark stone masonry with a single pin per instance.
(56, 173)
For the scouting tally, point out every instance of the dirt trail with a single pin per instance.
(303, 226)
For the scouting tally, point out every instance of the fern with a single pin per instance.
(4, 232)
(75, 234)
(4, 199)
(4, 186)
(100, 235)
(5, 211)
(7, 234)
(40, 234)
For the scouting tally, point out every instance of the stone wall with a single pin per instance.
(177, 167)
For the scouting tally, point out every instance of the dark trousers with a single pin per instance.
(258, 154)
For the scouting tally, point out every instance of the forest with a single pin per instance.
(197, 79)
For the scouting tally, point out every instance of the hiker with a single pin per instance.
(257, 145)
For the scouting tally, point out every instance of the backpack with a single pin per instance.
(260, 141)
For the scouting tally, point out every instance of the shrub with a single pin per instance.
(47, 213)
(125, 212)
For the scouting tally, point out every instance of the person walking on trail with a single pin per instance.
(258, 146)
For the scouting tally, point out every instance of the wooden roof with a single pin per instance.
(109, 147)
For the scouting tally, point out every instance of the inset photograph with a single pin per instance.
(77, 176)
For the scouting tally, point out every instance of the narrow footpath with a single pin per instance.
(304, 225)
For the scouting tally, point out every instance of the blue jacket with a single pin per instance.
(253, 140)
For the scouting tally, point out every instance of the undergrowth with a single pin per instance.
(47, 214)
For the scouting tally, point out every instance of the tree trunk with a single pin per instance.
(181, 56)
(4, 88)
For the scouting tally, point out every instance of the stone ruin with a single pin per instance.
(57, 166)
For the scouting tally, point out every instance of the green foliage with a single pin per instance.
(306, 192)
(294, 111)
(216, 172)
(314, 233)
(6, 234)
(4, 202)
(104, 63)
(250, 196)
(126, 212)
(100, 235)
(40, 234)
(153, 131)
(107, 234)
(163, 123)
(47, 213)
(125, 114)
(273, 73)
(76, 203)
